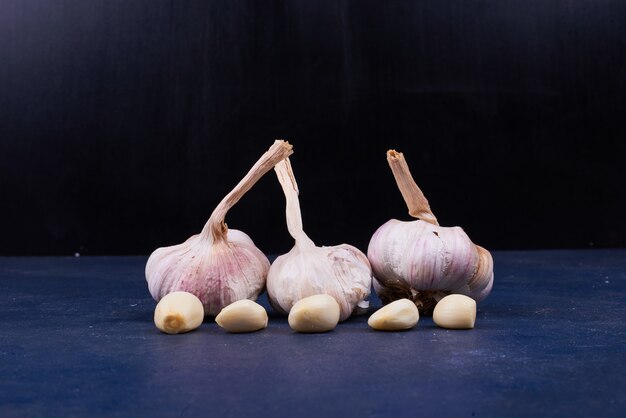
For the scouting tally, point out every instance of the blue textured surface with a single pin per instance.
(77, 339)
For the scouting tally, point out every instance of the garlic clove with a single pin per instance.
(242, 316)
(318, 313)
(455, 312)
(178, 312)
(399, 315)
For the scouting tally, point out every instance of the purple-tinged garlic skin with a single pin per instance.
(479, 287)
(218, 273)
(427, 257)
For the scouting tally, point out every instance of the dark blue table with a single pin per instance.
(77, 339)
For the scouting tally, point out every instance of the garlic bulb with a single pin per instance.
(341, 271)
(421, 260)
(219, 265)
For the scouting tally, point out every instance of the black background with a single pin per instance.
(123, 123)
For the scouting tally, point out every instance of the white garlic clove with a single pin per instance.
(242, 316)
(399, 315)
(455, 312)
(178, 312)
(318, 313)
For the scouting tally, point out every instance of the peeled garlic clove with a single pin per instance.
(398, 315)
(220, 265)
(178, 312)
(421, 260)
(341, 271)
(242, 316)
(318, 313)
(455, 312)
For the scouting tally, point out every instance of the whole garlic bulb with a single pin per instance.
(341, 271)
(219, 265)
(421, 260)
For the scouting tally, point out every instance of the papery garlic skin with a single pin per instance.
(342, 272)
(430, 257)
(218, 274)
(219, 265)
(479, 286)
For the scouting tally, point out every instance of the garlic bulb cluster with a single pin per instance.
(341, 271)
(421, 260)
(219, 265)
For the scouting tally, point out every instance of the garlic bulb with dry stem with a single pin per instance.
(341, 271)
(421, 260)
(219, 265)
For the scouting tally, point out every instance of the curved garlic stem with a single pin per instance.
(215, 229)
(294, 216)
(413, 196)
